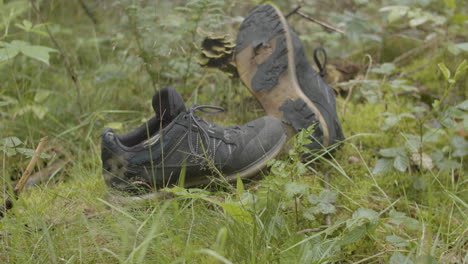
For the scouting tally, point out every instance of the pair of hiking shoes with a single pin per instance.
(177, 145)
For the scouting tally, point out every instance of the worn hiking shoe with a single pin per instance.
(272, 63)
(181, 143)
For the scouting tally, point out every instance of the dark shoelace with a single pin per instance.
(193, 119)
(322, 67)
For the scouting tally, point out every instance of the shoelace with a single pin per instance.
(322, 67)
(193, 119)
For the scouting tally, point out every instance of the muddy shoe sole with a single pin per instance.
(269, 58)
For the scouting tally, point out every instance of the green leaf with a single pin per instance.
(41, 95)
(237, 212)
(396, 12)
(418, 21)
(451, 3)
(385, 68)
(463, 106)
(39, 110)
(461, 69)
(11, 142)
(293, 189)
(392, 152)
(309, 214)
(8, 53)
(445, 71)
(400, 218)
(397, 241)
(398, 258)
(326, 208)
(240, 186)
(401, 163)
(352, 236)
(463, 46)
(383, 165)
(328, 196)
(40, 53)
(365, 215)
(313, 199)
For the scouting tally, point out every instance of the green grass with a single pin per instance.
(418, 215)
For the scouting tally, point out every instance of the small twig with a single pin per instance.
(66, 61)
(88, 11)
(8, 204)
(24, 178)
(294, 10)
(321, 23)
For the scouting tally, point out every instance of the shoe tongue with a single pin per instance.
(168, 104)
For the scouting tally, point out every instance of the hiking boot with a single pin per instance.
(156, 154)
(272, 63)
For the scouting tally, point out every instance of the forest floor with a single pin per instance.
(394, 192)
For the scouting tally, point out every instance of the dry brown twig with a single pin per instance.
(325, 25)
(8, 204)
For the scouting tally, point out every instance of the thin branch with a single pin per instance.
(8, 203)
(292, 12)
(88, 12)
(24, 178)
(325, 25)
(66, 61)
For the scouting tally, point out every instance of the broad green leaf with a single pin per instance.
(309, 214)
(463, 46)
(398, 258)
(401, 163)
(365, 215)
(392, 152)
(11, 142)
(418, 21)
(396, 12)
(397, 241)
(8, 53)
(399, 218)
(352, 236)
(293, 189)
(41, 95)
(326, 208)
(237, 212)
(313, 199)
(383, 165)
(385, 68)
(445, 71)
(39, 53)
(328, 196)
(39, 110)
(463, 105)
(30, 152)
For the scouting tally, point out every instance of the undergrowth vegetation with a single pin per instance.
(395, 192)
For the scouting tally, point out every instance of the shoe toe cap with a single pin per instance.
(264, 138)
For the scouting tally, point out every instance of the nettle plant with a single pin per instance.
(423, 149)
